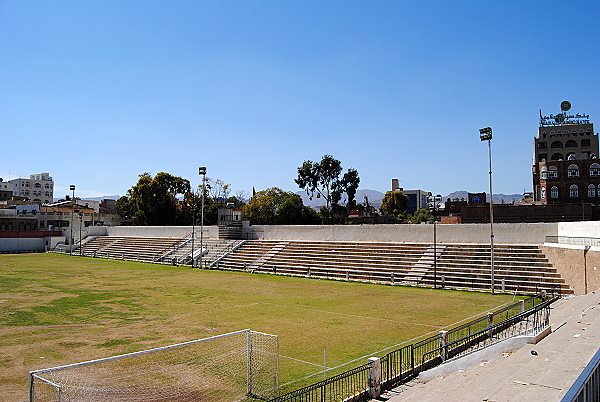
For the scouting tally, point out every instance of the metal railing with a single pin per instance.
(587, 386)
(350, 385)
(574, 241)
(398, 366)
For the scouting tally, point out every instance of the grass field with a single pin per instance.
(57, 309)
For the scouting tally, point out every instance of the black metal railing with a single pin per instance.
(587, 386)
(350, 385)
(403, 364)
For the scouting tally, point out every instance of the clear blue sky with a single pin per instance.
(97, 92)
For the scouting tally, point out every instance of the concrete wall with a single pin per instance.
(521, 233)
(21, 244)
(579, 268)
(161, 231)
(579, 229)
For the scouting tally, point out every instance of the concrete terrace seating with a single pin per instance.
(130, 248)
(521, 268)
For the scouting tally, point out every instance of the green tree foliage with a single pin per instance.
(421, 215)
(323, 179)
(153, 200)
(393, 203)
(277, 207)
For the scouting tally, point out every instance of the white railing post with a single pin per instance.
(374, 377)
(444, 345)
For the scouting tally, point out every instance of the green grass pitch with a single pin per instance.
(56, 309)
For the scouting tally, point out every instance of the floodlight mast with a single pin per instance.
(72, 188)
(485, 134)
(202, 172)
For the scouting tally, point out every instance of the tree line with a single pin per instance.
(166, 199)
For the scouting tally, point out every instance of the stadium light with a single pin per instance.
(485, 134)
(433, 203)
(72, 188)
(202, 172)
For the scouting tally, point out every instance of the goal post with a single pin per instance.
(233, 366)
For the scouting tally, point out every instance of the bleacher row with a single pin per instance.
(521, 268)
(154, 249)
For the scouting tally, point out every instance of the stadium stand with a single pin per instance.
(521, 268)
(155, 249)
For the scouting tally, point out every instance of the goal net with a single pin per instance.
(240, 365)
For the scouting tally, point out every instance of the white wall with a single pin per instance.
(579, 229)
(21, 244)
(522, 233)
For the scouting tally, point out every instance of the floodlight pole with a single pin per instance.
(485, 134)
(80, 224)
(202, 171)
(193, 228)
(72, 188)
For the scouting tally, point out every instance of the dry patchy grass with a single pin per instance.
(57, 309)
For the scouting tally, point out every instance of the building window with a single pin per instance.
(543, 193)
(37, 185)
(571, 144)
(557, 157)
(542, 145)
(594, 170)
(556, 144)
(554, 192)
(573, 191)
(591, 191)
(573, 171)
(552, 173)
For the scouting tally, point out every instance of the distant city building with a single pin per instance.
(107, 206)
(566, 168)
(38, 188)
(417, 199)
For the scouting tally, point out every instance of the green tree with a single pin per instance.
(153, 200)
(323, 179)
(393, 203)
(277, 207)
(420, 216)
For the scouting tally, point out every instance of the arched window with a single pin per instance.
(571, 156)
(571, 144)
(573, 191)
(544, 172)
(594, 170)
(573, 171)
(552, 172)
(557, 157)
(554, 192)
(591, 191)
(543, 193)
(556, 144)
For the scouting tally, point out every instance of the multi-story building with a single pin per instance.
(38, 188)
(566, 168)
(417, 199)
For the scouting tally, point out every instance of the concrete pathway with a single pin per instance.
(521, 376)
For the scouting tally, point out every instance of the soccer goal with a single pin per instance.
(240, 365)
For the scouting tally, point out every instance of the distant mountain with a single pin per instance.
(498, 198)
(374, 196)
(104, 197)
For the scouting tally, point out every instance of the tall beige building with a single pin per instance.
(38, 188)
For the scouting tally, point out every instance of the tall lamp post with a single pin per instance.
(202, 172)
(485, 134)
(80, 224)
(72, 188)
(193, 227)
(433, 203)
